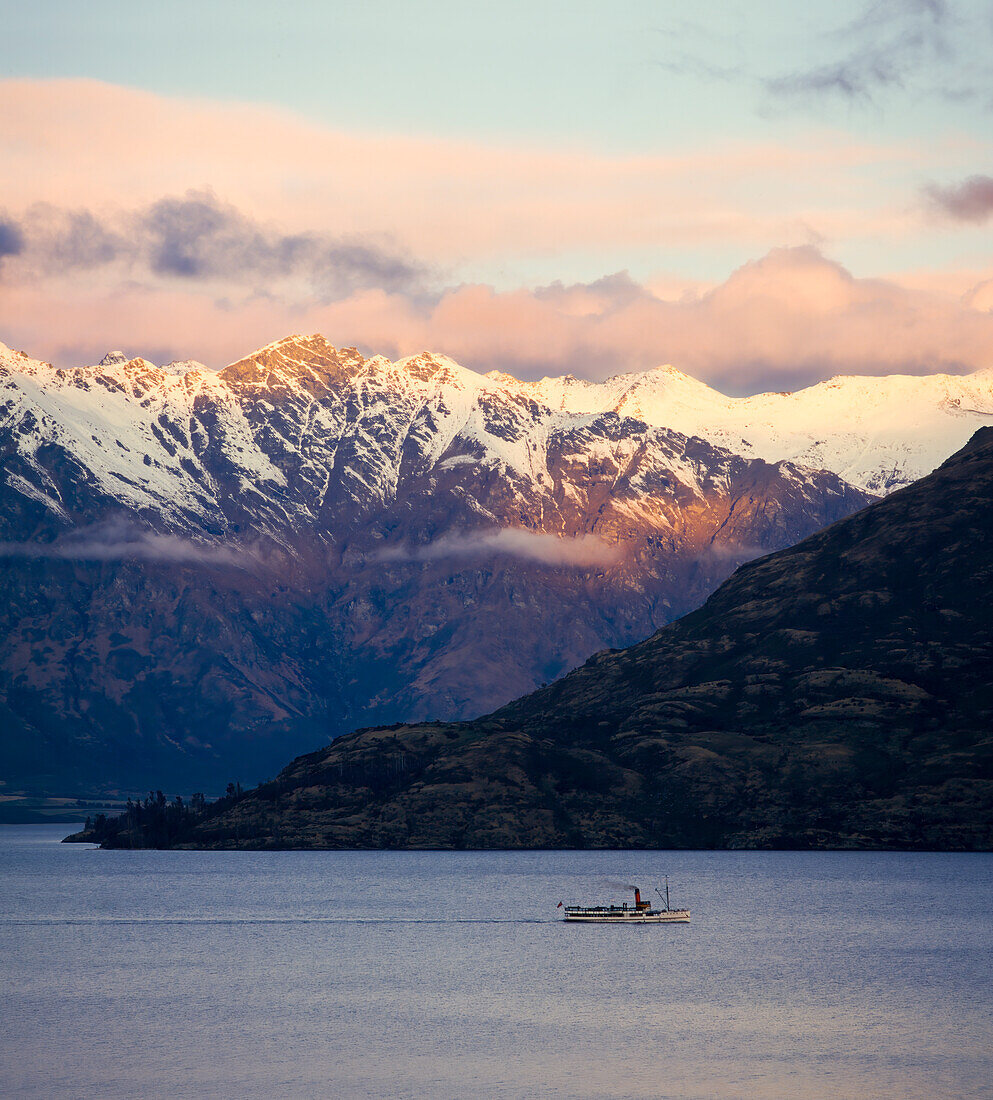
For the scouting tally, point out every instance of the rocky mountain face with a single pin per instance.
(203, 572)
(835, 694)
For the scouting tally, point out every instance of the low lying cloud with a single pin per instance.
(581, 552)
(968, 201)
(115, 541)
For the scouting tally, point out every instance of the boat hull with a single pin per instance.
(673, 916)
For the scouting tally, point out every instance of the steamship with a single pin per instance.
(640, 913)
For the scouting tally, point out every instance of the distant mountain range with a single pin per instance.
(835, 694)
(878, 433)
(203, 572)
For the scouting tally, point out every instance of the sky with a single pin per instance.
(759, 194)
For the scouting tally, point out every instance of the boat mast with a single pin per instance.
(666, 898)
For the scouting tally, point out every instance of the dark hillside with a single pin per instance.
(836, 694)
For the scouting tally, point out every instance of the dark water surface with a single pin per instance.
(423, 974)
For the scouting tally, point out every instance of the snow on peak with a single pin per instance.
(877, 433)
(20, 360)
(427, 366)
(502, 379)
(286, 341)
(180, 367)
(297, 361)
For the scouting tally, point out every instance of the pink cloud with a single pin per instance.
(980, 296)
(421, 209)
(791, 317)
(81, 143)
(947, 283)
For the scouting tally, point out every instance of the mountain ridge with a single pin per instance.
(837, 693)
(906, 423)
(203, 572)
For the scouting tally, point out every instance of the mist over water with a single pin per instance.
(428, 974)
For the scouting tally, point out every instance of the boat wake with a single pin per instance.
(96, 921)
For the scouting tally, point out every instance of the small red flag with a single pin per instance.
(559, 906)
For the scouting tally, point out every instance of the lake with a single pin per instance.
(431, 974)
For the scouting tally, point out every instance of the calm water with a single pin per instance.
(188, 974)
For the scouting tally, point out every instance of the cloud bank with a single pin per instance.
(790, 318)
(195, 230)
(581, 552)
(83, 145)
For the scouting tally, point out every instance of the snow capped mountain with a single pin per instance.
(274, 441)
(181, 366)
(876, 433)
(113, 359)
(300, 424)
(201, 567)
